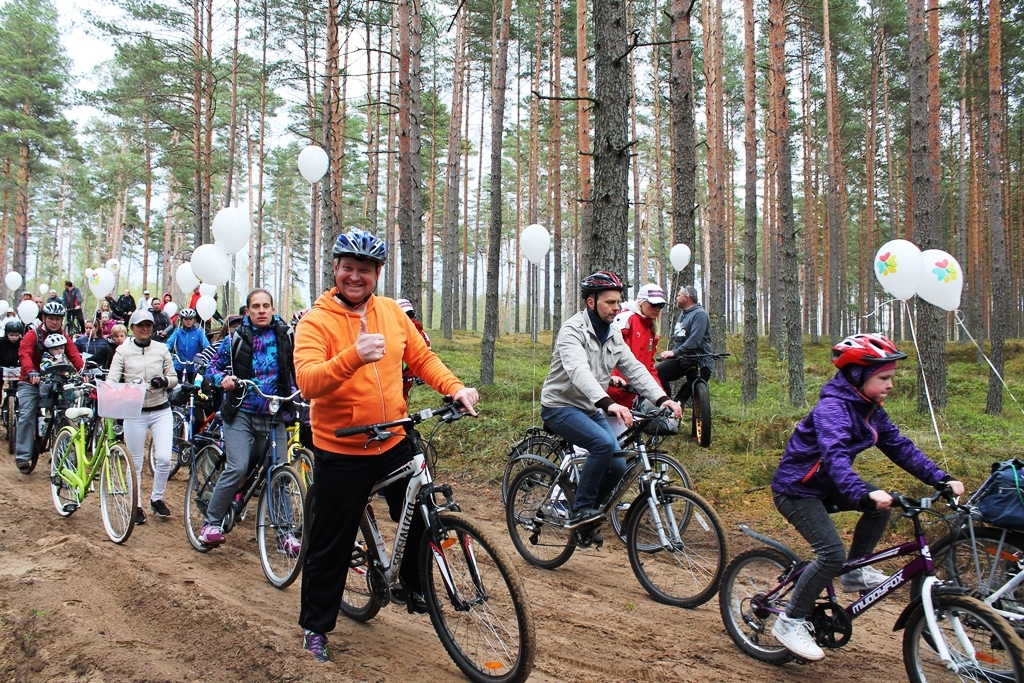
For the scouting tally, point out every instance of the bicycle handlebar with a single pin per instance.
(917, 504)
(248, 383)
(450, 412)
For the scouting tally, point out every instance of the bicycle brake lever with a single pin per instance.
(378, 435)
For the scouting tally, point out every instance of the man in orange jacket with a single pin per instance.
(348, 357)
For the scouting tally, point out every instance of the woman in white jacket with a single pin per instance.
(140, 360)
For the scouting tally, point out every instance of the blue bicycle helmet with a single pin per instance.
(360, 244)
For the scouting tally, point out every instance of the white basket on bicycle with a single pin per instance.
(119, 401)
(11, 374)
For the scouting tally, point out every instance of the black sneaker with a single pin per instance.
(160, 508)
(417, 603)
(24, 466)
(583, 517)
(140, 517)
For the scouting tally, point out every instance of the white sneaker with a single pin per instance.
(863, 579)
(795, 634)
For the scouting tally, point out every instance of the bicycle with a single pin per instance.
(299, 457)
(183, 409)
(87, 449)
(699, 401)
(945, 631)
(51, 407)
(9, 409)
(677, 548)
(474, 596)
(280, 507)
(543, 447)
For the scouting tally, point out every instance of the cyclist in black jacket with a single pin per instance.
(13, 329)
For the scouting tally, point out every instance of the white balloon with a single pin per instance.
(101, 282)
(88, 273)
(13, 280)
(185, 278)
(231, 229)
(313, 163)
(679, 256)
(4, 307)
(44, 289)
(535, 242)
(942, 279)
(206, 306)
(28, 310)
(211, 264)
(898, 268)
(206, 289)
(113, 265)
(171, 309)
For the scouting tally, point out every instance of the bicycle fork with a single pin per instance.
(938, 642)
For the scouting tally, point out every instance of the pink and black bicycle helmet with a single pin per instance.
(600, 281)
(865, 349)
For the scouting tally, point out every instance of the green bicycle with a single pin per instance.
(89, 449)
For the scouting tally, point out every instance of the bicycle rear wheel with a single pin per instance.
(982, 644)
(746, 613)
(674, 474)
(279, 527)
(63, 456)
(702, 413)
(482, 617)
(526, 452)
(536, 511)
(118, 485)
(685, 568)
(202, 479)
(12, 423)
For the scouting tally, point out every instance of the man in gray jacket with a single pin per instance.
(691, 335)
(575, 397)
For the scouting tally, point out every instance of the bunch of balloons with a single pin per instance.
(903, 270)
(210, 266)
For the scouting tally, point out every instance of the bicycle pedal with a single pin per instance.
(70, 507)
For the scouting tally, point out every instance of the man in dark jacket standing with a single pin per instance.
(126, 303)
(691, 335)
(73, 303)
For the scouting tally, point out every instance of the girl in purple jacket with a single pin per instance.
(816, 478)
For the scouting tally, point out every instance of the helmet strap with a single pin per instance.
(352, 304)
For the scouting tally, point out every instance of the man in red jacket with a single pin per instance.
(636, 322)
(30, 353)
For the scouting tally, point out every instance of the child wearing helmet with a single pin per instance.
(53, 353)
(816, 478)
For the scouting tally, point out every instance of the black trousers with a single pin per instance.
(342, 485)
(680, 368)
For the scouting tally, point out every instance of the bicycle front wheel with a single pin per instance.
(477, 602)
(677, 547)
(302, 463)
(12, 423)
(983, 645)
(536, 511)
(118, 485)
(279, 527)
(672, 474)
(63, 456)
(747, 612)
(702, 413)
(202, 480)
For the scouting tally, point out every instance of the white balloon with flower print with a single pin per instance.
(113, 265)
(101, 282)
(897, 267)
(942, 279)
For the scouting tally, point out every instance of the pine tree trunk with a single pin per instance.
(833, 194)
(556, 165)
(714, 270)
(749, 389)
(684, 146)
(1001, 309)
(410, 174)
(449, 263)
(583, 104)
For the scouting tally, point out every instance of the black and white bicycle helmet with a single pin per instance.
(600, 281)
(360, 244)
(54, 308)
(188, 313)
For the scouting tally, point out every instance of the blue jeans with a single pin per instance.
(591, 431)
(811, 518)
(244, 437)
(28, 411)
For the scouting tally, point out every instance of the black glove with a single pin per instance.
(159, 382)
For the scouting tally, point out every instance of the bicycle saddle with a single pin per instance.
(75, 413)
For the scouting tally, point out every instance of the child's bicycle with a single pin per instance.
(279, 511)
(947, 635)
(677, 548)
(89, 449)
(475, 598)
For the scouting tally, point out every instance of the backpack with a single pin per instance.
(1001, 498)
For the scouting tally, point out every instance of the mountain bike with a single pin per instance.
(88, 449)
(543, 447)
(476, 599)
(677, 548)
(279, 512)
(299, 457)
(946, 633)
(699, 401)
(10, 406)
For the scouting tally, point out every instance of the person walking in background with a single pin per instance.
(73, 303)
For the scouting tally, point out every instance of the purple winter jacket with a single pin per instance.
(818, 460)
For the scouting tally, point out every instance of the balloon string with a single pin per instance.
(924, 379)
(960, 322)
(884, 303)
